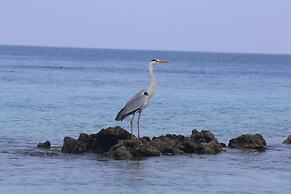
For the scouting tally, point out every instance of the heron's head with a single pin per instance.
(158, 61)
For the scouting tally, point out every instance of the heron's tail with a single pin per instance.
(120, 116)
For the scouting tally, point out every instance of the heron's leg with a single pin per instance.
(138, 124)
(131, 121)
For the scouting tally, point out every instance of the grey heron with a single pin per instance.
(140, 100)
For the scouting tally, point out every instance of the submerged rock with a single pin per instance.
(288, 140)
(248, 141)
(45, 145)
(118, 143)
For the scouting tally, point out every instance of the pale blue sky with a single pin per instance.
(252, 26)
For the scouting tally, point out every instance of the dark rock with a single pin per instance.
(223, 145)
(102, 141)
(248, 141)
(133, 148)
(87, 141)
(121, 153)
(211, 148)
(203, 137)
(120, 144)
(168, 144)
(85, 137)
(106, 138)
(98, 143)
(288, 140)
(188, 146)
(146, 138)
(45, 145)
(72, 145)
(202, 142)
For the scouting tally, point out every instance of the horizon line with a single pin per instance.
(156, 50)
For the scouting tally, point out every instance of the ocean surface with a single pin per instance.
(49, 93)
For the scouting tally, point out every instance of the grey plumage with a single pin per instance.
(134, 105)
(139, 101)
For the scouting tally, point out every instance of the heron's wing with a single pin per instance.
(134, 104)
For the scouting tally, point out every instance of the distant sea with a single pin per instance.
(49, 93)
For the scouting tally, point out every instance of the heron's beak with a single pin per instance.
(163, 61)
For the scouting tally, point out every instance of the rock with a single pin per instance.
(133, 149)
(85, 137)
(120, 144)
(248, 141)
(98, 143)
(72, 145)
(168, 144)
(203, 137)
(223, 145)
(104, 139)
(45, 145)
(190, 147)
(288, 140)
(211, 147)
(121, 153)
(202, 142)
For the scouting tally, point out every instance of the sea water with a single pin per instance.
(49, 93)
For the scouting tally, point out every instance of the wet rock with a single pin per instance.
(211, 148)
(203, 137)
(190, 147)
(109, 137)
(100, 142)
(85, 137)
(288, 140)
(248, 141)
(72, 145)
(45, 145)
(52, 151)
(223, 145)
(120, 144)
(202, 142)
(145, 138)
(104, 139)
(133, 149)
(121, 153)
(168, 144)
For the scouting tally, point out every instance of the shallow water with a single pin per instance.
(49, 93)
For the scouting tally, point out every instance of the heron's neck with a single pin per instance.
(153, 85)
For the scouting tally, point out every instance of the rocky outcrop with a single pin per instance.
(45, 145)
(248, 141)
(103, 141)
(74, 146)
(119, 144)
(288, 140)
(133, 148)
(202, 142)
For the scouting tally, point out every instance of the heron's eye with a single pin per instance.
(155, 60)
(146, 93)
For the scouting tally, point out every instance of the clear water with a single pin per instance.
(49, 93)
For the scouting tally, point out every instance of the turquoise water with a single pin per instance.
(49, 93)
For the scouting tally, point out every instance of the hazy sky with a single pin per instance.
(252, 26)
